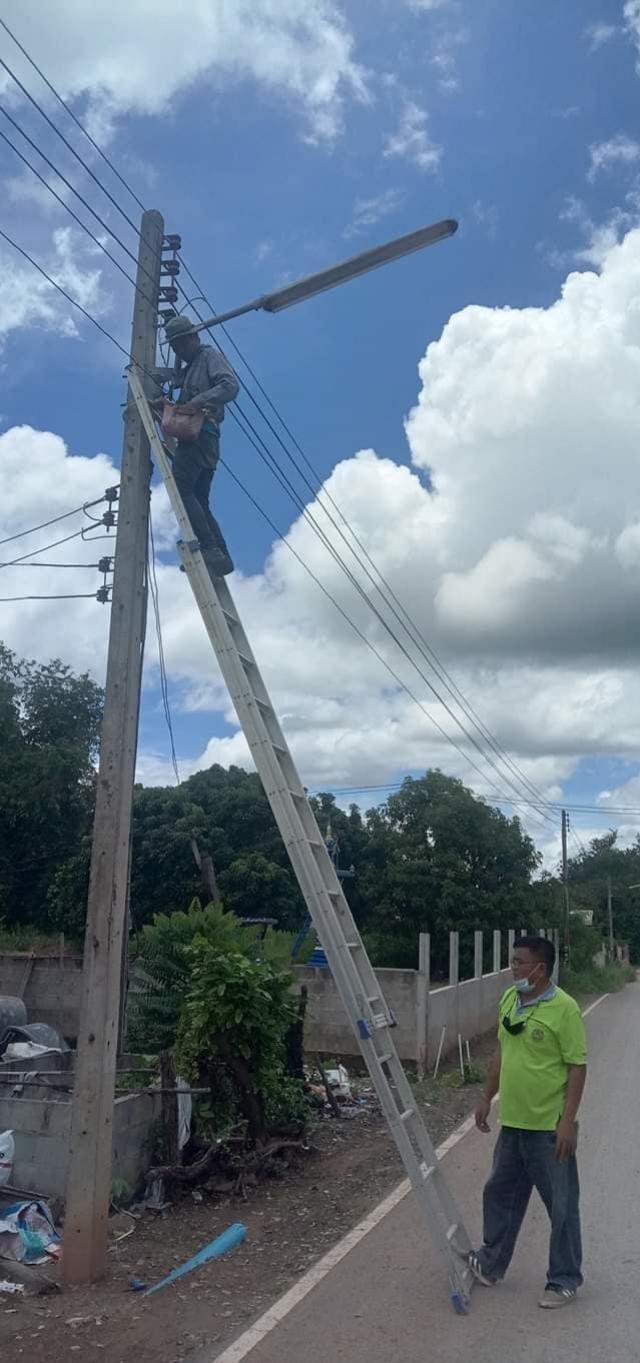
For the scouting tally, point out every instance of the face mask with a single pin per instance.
(524, 986)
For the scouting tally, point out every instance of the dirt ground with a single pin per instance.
(290, 1223)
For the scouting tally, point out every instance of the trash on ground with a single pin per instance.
(28, 1234)
(338, 1081)
(137, 1285)
(6, 1286)
(231, 1237)
(7, 1155)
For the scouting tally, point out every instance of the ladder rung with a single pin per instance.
(408, 1112)
(352, 945)
(453, 1230)
(248, 662)
(229, 615)
(427, 1170)
(374, 998)
(278, 747)
(384, 1059)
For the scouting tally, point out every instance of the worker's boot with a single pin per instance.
(218, 561)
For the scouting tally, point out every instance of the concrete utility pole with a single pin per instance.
(565, 882)
(89, 1178)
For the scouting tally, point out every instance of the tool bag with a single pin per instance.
(182, 426)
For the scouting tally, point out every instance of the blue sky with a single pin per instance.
(517, 119)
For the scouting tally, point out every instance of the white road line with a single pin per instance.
(276, 1313)
(594, 1005)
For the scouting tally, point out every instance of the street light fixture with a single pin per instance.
(339, 274)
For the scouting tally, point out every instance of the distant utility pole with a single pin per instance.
(89, 1177)
(610, 919)
(565, 882)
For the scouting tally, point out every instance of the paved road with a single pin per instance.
(386, 1301)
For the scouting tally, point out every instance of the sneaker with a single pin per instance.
(478, 1271)
(554, 1297)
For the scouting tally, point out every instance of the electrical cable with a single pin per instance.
(77, 534)
(67, 144)
(75, 596)
(66, 206)
(71, 114)
(412, 630)
(20, 534)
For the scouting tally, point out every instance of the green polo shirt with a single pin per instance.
(535, 1062)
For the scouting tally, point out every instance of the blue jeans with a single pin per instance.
(525, 1160)
(194, 465)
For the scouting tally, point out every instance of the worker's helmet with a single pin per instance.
(179, 326)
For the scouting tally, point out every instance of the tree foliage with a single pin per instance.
(49, 728)
(232, 1037)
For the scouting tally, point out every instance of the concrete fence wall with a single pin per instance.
(42, 1131)
(468, 1007)
(465, 1007)
(49, 985)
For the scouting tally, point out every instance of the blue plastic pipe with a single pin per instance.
(232, 1236)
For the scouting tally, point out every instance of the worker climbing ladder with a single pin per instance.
(352, 971)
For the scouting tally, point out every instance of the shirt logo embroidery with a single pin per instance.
(538, 1034)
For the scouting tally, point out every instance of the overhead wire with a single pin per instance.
(20, 534)
(71, 114)
(411, 629)
(74, 596)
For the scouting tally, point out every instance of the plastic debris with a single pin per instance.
(338, 1081)
(231, 1237)
(28, 1234)
(137, 1285)
(6, 1286)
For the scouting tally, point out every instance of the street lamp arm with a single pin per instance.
(341, 273)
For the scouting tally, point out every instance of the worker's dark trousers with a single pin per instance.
(525, 1160)
(194, 465)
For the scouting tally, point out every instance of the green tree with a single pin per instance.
(49, 729)
(233, 1033)
(441, 859)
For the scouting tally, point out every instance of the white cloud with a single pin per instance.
(488, 216)
(368, 212)
(520, 568)
(599, 33)
(299, 50)
(631, 14)
(619, 150)
(27, 298)
(412, 141)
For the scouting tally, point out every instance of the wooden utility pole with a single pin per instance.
(89, 1177)
(610, 919)
(565, 882)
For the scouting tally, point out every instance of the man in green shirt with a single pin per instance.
(540, 1070)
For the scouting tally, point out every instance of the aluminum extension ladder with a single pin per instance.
(352, 971)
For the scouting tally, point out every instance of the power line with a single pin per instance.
(77, 534)
(415, 636)
(504, 799)
(66, 206)
(75, 596)
(20, 534)
(62, 137)
(72, 115)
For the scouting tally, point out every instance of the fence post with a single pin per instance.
(454, 958)
(422, 1003)
(497, 951)
(478, 955)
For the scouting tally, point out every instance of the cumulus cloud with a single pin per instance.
(29, 300)
(298, 50)
(517, 559)
(412, 141)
